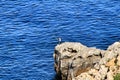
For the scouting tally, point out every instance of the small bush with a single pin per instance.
(117, 77)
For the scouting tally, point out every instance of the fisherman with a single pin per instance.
(59, 40)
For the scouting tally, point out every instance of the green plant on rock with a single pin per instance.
(117, 76)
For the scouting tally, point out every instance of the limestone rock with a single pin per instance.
(111, 62)
(84, 76)
(103, 71)
(115, 47)
(118, 60)
(110, 76)
(74, 61)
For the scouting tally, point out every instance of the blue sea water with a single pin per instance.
(29, 28)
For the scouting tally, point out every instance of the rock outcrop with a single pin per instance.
(74, 61)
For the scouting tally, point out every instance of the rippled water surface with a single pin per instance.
(28, 32)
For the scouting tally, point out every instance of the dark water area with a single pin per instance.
(28, 32)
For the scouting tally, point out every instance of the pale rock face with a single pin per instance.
(103, 71)
(118, 59)
(74, 61)
(110, 63)
(110, 76)
(95, 74)
(115, 48)
(84, 76)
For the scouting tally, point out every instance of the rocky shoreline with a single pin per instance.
(74, 61)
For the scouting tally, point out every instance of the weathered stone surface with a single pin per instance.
(74, 61)
(111, 62)
(84, 76)
(118, 60)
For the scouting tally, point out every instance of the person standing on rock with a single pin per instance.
(59, 40)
